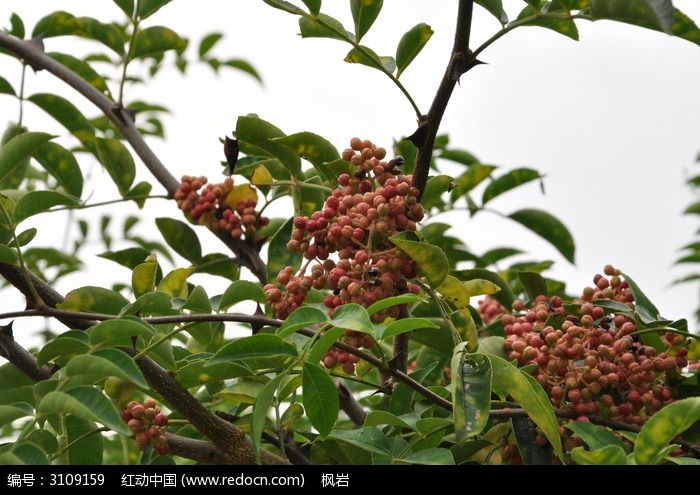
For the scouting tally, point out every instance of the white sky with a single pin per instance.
(611, 120)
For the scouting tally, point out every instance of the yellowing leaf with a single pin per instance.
(143, 278)
(175, 282)
(261, 177)
(241, 194)
(479, 287)
(454, 291)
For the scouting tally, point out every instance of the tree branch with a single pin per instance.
(461, 61)
(248, 256)
(349, 405)
(21, 358)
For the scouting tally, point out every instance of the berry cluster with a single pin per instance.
(366, 208)
(211, 205)
(148, 424)
(590, 361)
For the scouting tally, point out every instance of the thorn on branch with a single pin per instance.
(7, 330)
(231, 150)
(419, 135)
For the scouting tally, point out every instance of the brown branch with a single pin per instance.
(21, 358)
(399, 360)
(31, 53)
(349, 405)
(461, 60)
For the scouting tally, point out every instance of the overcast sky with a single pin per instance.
(612, 121)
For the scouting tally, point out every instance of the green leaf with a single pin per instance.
(121, 330)
(9, 413)
(474, 176)
(376, 418)
(663, 427)
(143, 278)
(129, 257)
(471, 392)
(286, 6)
(397, 327)
(410, 45)
(326, 341)
(218, 264)
(62, 23)
(534, 284)
(63, 345)
(314, 148)
(18, 149)
(324, 26)
(434, 189)
(92, 299)
(26, 453)
(314, 6)
(505, 296)
(429, 258)
(118, 162)
(364, 13)
(241, 290)
(429, 457)
(605, 456)
(86, 447)
(259, 133)
(320, 398)
(35, 202)
(255, 346)
(62, 165)
(126, 6)
(208, 43)
(8, 255)
(149, 7)
(368, 438)
(83, 69)
(549, 228)
(367, 56)
(68, 115)
(26, 236)
(595, 436)
(85, 402)
(244, 66)
(139, 193)
(6, 88)
(393, 301)
(106, 362)
(653, 14)
(567, 27)
(641, 299)
(524, 389)
(262, 405)
(352, 316)
(508, 181)
(278, 256)
(684, 27)
(17, 26)
(180, 237)
(495, 7)
(156, 40)
(305, 316)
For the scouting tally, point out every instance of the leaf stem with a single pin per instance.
(20, 97)
(127, 58)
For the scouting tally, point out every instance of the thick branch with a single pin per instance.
(248, 256)
(460, 61)
(21, 358)
(349, 405)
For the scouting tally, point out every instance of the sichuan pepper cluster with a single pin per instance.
(346, 244)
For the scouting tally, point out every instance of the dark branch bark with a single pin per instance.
(22, 359)
(460, 62)
(349, 405)
(248, 256)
